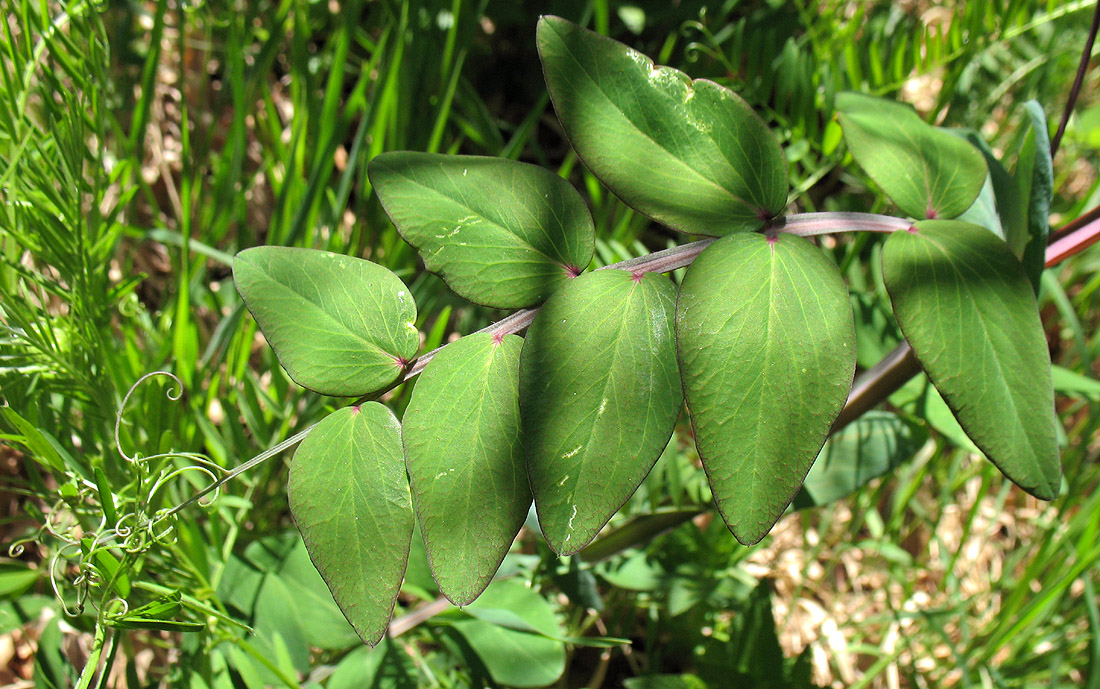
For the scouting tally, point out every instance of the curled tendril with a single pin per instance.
(174, 396)
(80, 582)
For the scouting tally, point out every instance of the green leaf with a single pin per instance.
(500, 233)
(767, 352)
(316, 613)
(350, 499)
(1035, 180)
(928, 172)
(965, 305)
(865, 449)
(466, 462)
(599, 396)
(339, 325)
(516, 658)
(689, 154)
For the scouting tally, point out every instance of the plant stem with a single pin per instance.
(810, 224)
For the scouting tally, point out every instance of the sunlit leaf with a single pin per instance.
(599, 395)
(500, 233)
(350, 499)
(767, 352)
(928, 172)
(967, 308)
(689, 154)
(339, 325)
(466, 460)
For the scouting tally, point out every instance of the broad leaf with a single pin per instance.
(350, 499)
(928, 172)
(339, 325)
(599, 396)
(767, 352)
(466, 462)
(965, 305)
(517, 658)
(865, 449)
(690, 154)
(500, 233)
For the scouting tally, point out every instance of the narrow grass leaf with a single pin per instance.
(465, 461)
(928, 172)
(599, 396)
(1035, 180)
(500, 233)
(339, 325)
(350, 499)
(766, 345)
(967, 308)
(689, 154)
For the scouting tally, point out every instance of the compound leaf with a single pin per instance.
(500, 233)
(339, 325)
(599, 396)
(350, 499)
(466, 461)
(690, 154)
(968, 310)
(928, 172)
(766, 345)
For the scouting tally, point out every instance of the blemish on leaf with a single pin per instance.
(573, 452)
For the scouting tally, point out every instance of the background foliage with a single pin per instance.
(142, 144)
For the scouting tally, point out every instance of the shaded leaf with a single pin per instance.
(350, 499)
(863, 450)
(1035, 181)
(339, 325)
(499, 232)
(690, 154)
(466, 460)
(928, 172)
(766, 345)
(965, 305)
(599, 396)
(516, 658)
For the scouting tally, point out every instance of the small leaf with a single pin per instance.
(928, 172)
(466, 462)
(500, 233)
(599, 396)
(767, 352)
(339, 325)
(516, 658)
(350, 499)
(965, 305)
(865, 449)
(689, 154)
(1035, 181)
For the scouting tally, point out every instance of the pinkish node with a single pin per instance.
(931, 213)
(773, 239)
(355, 409)
(498, 337)
(572, 271)
(912, 229)
(400, 362)
(637, 277)
(763, 214)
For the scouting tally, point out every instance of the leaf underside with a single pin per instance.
(692, 155)
(466, 461)
(599, 396)
(500, 233)
(968, 310)
(339, 325)
(350, 500)
(766, 346)
(929, 173)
